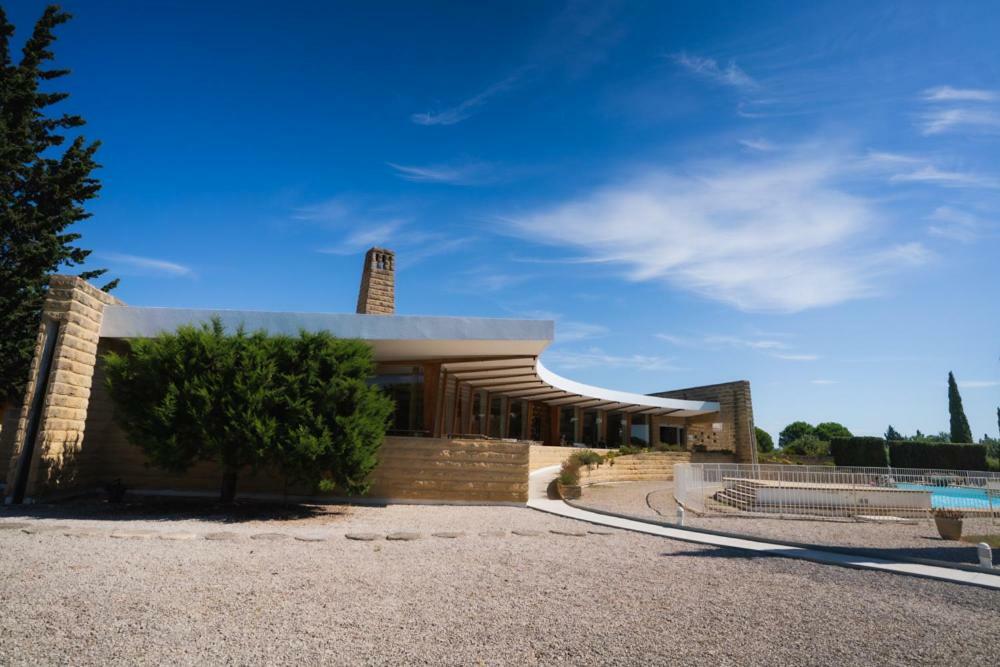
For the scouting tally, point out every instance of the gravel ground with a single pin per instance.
(918, 539)
(485, 597)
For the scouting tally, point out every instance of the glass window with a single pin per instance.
(405, 386)
(616, 429)
(640, 430)
(477, 412)
(495, 417)
(515, 421)
(536, 422)
(567, 426)
(590, 428)
(672, 435)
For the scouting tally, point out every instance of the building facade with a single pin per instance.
(471, 395)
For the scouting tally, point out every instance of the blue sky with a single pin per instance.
(804, 195)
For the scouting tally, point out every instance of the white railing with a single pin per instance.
(828, 491)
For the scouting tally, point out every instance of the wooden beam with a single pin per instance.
(467, 375)
(495, 380)
(535, 395)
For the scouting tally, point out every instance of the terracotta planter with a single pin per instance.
(568, 492)
(949, 529)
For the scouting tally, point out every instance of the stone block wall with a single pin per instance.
(735, 415)
(57, 462)
(377, 295)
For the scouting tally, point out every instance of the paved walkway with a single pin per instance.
(538, 499)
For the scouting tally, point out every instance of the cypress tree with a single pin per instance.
(42, 193)
(960, 431)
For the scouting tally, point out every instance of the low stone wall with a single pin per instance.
(647, 467)
(543, 456)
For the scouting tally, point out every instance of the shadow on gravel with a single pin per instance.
(176, 509)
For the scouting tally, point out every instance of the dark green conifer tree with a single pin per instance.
(43, 188)
(960, 431)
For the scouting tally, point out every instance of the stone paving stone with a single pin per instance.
(310, 538)
(84, 532)
(269, 537)
(38, 530)
(599, 531)
(222, 537)
(12, 525)
(133, 534)
(177, 536)
(523, 532)
(363, 537)
(449, 534)
(493, 533)
(403, 536)
(569, 533)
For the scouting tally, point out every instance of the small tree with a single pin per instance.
(764, 441)
(808, 445)
(302, 405)
(892, 435)
(960, 431)
(827, 431)
(794, 431)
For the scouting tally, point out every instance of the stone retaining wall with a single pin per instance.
(647, 467)
(543, 456)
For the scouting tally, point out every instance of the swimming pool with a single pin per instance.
(958, 497)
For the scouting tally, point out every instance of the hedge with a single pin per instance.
(859, 451)
(945, 456)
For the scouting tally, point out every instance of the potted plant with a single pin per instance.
(568, 481)
(949, 523)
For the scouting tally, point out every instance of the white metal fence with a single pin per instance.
(828, 491)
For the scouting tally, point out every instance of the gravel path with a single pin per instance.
(917, 539)
(484, 597)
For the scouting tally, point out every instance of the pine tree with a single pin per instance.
(42, 193)
(960, 431)
(892, 435)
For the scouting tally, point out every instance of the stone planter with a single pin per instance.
(567, 492)
(949, 529)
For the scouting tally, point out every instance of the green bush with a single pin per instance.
(764, 441)
(794, 431)
(569, 473)
(859, 451)
(302, 405)
(830, 430)
(946, 456)
(807, 445)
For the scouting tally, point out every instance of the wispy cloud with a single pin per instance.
(596, 357)
(902, 168)
(938, 121)
(461, 111)
(979, 384)
(723, 341)
(951, 223)
(778, 236)
(822, 381)
(762, 145)
(367, 236)
(461, 174)
(124, 263)
(789, 356)
(949, 94)
(709, 68)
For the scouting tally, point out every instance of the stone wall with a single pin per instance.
(646, 467)
(543, 456)
(735, 416)
(377, 294)
(73, 313)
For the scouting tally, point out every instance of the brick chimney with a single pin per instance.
(377, 295)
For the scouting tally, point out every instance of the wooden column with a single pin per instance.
(552, 437)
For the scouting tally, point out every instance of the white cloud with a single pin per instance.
(762, 145)
(730, 75)
(145, 265)
(979, 384)
(949, 94)
(596, 357)
(464, 174)
(723, 341)
(938, 121)
(570, 331)
(466, 108)
(956, 225)
(823, 381)
(915, 169)
(379, 234)
(760, 235)
(788, 356)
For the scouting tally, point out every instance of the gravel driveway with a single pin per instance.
(487, 596)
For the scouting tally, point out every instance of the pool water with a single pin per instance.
(958, 497)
